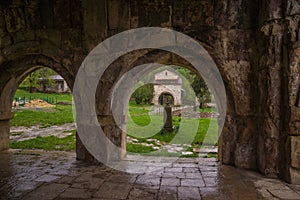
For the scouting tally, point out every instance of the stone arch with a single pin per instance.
(255, 68)
(170, 98)
(18, 70)
(114, 73)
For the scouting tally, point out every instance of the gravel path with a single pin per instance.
(20, 133)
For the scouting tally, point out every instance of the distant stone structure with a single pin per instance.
(167, 88)
(59, 86)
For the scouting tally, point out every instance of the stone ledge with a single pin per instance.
(6, 115)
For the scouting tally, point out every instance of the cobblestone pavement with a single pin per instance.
(57, 175)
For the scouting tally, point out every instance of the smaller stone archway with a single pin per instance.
(161, 90)
(166, 98)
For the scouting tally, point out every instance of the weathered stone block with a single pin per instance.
(245, 156)
(295, 176)
(239, 85)
(4, 135)
(271, 9)
(2, 24)
(24, 36)
(54, 36)
(193, 13)
(293, 7)
(22, 48)
(295, 114)
(294, 128)
(148, 13)
(295, 152)
(71, 38)
(15, 19)
(118, 15)
(50, 50)
(5, 41)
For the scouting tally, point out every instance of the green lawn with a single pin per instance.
(194, 131)
(207, 110)
(140, 125)
(47, 143)
(186, 131)
(59, 115)
(44, 117)
(139, 113)
(138, 148)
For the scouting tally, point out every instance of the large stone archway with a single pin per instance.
(17, 71)
(254, 44)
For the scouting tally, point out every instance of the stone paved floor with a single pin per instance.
(57, 175)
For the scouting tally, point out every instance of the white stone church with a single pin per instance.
(167, 88)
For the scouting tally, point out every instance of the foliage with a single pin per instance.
(47, 143)
(39, 79)
(198, 84)
(143, 93)
(201, 91)
(188, 74)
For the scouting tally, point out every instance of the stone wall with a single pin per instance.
(255, 45)
(292, 94)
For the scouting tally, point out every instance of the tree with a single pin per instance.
(201, 91)
(143, 93)
(188, 74)
(187, 80)
(39, 79)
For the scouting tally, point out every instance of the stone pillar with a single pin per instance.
(113, 133)
(5, 129)
(168, 125)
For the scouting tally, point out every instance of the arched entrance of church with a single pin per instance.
(166, 98)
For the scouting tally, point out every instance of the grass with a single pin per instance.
(207, 110)
(57, 96)
(138, 148)
(16, 133)
(141, 126)
(62, 114)
(44, 117)
(139, 114)
(211, 155)
(185, 131)
(47, 143)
